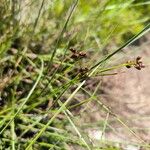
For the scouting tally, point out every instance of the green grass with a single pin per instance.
(40, 80)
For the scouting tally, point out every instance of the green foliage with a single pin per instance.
(100, 18)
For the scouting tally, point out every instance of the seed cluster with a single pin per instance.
(137, 63)
(77, 55)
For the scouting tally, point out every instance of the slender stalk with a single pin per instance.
(62, 32)
(38, 16)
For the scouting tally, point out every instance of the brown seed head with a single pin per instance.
(73, 50)
(138, 64)
(82, 54)
(75, 56)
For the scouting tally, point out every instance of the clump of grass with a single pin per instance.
(40, 76)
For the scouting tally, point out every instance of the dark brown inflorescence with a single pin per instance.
(138, 64)
(77, 55)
